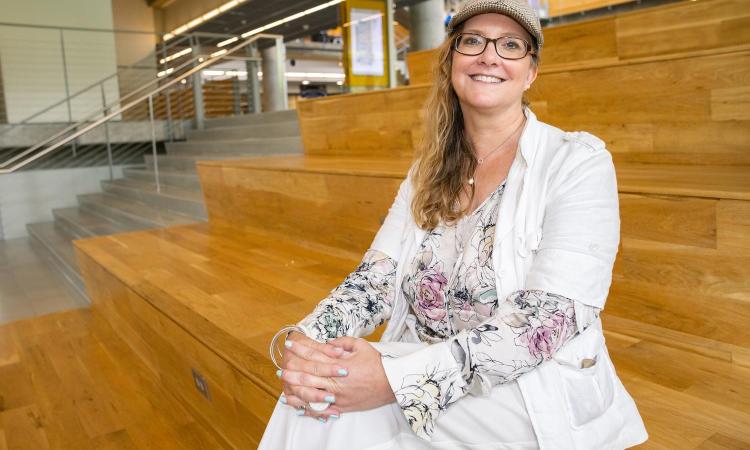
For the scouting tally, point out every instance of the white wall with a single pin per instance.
(27, 197)
(31, 59)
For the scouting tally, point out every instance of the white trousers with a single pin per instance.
(497, 421)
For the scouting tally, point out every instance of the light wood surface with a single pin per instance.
(69, 382)
(284, 231)
(691, 111)
(684, 229)
(703, 27)
(226, 293)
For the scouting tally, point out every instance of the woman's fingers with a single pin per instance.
(296, 378)
(313, 351)
(328, 350)
(319, 369)
(304, 408)
(312, 395)
(347, 343)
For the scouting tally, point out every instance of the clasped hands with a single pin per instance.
(346, 372)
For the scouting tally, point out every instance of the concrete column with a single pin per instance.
(274, 77)
(197, 82)
(427, 28)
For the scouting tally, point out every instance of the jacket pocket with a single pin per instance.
(586, 378)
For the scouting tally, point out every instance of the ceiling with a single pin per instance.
(256, 13)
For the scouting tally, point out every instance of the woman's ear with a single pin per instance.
(533, 71)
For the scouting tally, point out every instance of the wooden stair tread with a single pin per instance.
(232, 291)
(384, 167)
(710, 181)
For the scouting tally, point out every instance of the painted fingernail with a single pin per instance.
(283, 399)
(333, 416)
(330, 399)
(321, 420)
(343, 372)
(288, 344)
(300, 412)
(278, 373)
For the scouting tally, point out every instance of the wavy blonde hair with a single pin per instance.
(444, 157)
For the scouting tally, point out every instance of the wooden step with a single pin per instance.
(70, 382)
(335, 202)
(208, 300)
(678, 117)
(684, 231)
(624, 37)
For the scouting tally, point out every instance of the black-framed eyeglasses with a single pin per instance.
(507, 47)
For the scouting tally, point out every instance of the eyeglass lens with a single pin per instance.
(507, 46)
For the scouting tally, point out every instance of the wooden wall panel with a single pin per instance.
(705, 27)
(687, 111)
(682, 27)
(337, 210)
(563, 7)
(682, 111)
(372, 124)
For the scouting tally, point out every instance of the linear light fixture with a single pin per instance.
(299, 75)
(280, 22)
(176, 55)
(200, 19)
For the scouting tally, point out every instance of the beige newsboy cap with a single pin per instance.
(519, 10)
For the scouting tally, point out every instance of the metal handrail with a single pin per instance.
(90, 116)
(108, 116)
(92, 85)
(163, 49)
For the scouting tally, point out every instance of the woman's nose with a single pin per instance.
(489, 55)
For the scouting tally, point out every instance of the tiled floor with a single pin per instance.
(29, 287)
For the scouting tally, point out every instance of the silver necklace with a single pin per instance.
(484, 158)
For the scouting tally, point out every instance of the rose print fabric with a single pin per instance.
(477, 340)
(359, 304)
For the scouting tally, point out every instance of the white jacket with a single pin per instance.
(558, 230)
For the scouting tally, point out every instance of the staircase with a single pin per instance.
(133, 202)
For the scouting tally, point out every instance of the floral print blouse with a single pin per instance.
(477, 340)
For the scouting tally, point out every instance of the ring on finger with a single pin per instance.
(319, 406)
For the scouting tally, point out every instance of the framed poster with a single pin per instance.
(366, 43)
(365, 33)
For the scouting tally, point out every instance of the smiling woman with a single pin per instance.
(491, 268)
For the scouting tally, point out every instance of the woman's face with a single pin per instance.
(510, 77)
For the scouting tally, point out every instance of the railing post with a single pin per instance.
(67, 85)
(153, 142)
(236, 96)
(170, 129)
(253, 84)
(106, 133)
(392, 82)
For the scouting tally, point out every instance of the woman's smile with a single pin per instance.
(488, 79)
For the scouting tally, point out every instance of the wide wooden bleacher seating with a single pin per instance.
(671, 31)
(284, 230)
